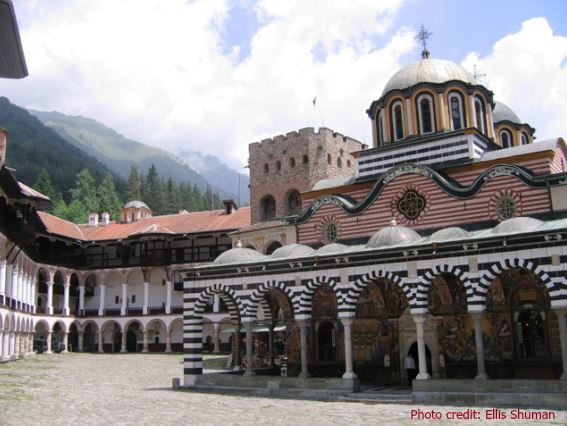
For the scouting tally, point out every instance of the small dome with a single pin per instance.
(135, 204)
(449, 234)
(333, 248)
(517, 225)
(428, 71)
(392, 235)
(237, 254)
(502, 112)
(292, 250)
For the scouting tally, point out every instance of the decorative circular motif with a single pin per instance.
(411, 204)
(330, 231)
(506, 207)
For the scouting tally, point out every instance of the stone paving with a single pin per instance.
(135, 389)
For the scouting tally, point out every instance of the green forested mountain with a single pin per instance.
(115, 151)
(33, 147)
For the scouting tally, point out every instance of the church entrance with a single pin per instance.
(413, 352)
(327, 341)
(131, 341)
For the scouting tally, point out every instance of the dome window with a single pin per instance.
(457, 114)
(506, 139)
(381, 137)
(411, 204)
(425, 109)
(524, 138)
(480, 115)
(398, 121)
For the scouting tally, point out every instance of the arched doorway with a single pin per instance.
(293, 202)
(89, 337)
(73, 339)
(413, 352)
(327, 342)
(267, 208)
(376, 333)
(519, 342)
(133, 336)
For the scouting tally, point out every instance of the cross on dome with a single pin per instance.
(423, 35)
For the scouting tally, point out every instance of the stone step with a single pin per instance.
(377, 400)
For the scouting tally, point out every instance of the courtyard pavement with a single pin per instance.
(135, 389)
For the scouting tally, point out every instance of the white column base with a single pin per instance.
(168, 351)
(423, 376)
(481, 377)
(145, 350)
(145, 310)
(48, 352)
(350, 375)
(66, 311)
(189, 380)
(237, 368)
(249, 373)
(123, 350)
(304, 375)
(168, 309)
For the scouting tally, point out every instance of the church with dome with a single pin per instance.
(436, 258)
(444, 242)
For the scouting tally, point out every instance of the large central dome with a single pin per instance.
(428, 71)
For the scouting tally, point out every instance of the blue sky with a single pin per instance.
(216, 75)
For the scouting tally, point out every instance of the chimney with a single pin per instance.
(105, 219)
(3, 143)
(93, 220)
(229, 206)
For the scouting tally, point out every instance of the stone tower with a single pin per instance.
(283, 167)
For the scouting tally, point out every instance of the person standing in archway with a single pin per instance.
(409, 365)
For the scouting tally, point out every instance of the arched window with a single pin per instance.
(524, 138)
(266, 168)
(267, 208)
(292, 162)
(425, 107)
(397, 121)
(293, 202)
(480, 114)
(457, 112)
(505, 138)
(133, 298)
(278, 165)
(305, 159)
(348, 163)
(381, 129)
(116, 299)
(329, 159)
(339, 162)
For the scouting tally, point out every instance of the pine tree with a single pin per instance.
(108, 197)
(43, 184)
(85, 191)
(133, 190)
(155, 198)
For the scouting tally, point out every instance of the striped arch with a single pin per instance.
(309, 288)
(258, 299)
(424, 286)
(497, 268)
(228, 296)
(362, 282)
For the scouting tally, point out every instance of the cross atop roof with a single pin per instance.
(423, 35)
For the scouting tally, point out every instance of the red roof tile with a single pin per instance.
(182, 223)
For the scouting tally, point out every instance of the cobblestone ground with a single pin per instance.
(135, 389)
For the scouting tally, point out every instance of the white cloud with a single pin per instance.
(527, 71)
(156, 71)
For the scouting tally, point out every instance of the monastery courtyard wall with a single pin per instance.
(135, 389)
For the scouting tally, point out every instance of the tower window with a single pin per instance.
(524, 138)
(292, 162)
(457, 115)
(505, 139)
(329, 159)
(381, 129)
(267, 208)
(266, 168)
(293, 202)
(339, 162)
(425, 108)
(398, 121)
(305, 159)
(278, 165)
(480, 114)
(348, 163)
